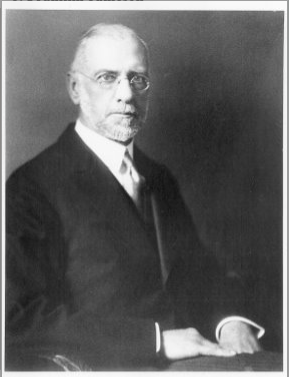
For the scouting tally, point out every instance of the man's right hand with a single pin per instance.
(185, 343)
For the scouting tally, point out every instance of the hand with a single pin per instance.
(183, 343)
(240, 337)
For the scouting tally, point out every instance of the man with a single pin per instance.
(103, 265)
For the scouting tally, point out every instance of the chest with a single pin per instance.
(110, 255)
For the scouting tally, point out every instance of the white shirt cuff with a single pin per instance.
(260, 333)
(158, 337)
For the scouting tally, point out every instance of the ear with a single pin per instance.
(72, 84)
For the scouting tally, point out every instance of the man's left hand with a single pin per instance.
(240, 337)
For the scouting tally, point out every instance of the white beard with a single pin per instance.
(122, 129)
(123, 132)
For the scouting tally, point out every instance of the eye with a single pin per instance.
(138, 79)
(140, 82)
(106, 78)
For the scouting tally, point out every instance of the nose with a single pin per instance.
(124, 91)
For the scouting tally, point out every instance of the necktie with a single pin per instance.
(137, 188)
(132, 181)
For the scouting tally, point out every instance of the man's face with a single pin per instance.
(115, 111)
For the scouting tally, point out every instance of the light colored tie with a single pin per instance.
(135, 186)
(132, 181)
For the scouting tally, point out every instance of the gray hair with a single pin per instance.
(103, 29)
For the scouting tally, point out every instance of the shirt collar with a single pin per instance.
(109, 151)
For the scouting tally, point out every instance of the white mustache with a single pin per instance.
(126, 109)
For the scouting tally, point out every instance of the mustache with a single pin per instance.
(126, 110)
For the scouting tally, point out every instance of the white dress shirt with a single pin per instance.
(111, 154)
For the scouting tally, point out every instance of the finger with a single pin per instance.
(249, 347)
(243, 348)
(212, 349)
(255, 344)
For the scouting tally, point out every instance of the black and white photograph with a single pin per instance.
(143, 187)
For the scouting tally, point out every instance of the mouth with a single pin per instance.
(127, 114)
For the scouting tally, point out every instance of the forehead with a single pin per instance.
(116, 54)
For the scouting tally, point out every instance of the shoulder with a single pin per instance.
(51, 162)
(31, 188)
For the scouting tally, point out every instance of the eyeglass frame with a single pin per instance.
(117, 81)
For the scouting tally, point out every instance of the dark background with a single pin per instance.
(215, 120)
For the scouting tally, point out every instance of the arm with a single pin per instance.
(204, 297)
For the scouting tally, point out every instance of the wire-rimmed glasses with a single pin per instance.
(139, 82)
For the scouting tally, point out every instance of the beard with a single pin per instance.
(120, 129)
(113, 126)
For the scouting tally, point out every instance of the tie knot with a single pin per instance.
(128, 168)
(133, 182)
(127, 159)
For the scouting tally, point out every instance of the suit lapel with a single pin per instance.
(163, 222)
(111, 204)
(165, 262)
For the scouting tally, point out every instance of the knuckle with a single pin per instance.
(192, 331)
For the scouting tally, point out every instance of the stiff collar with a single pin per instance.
(110, 152)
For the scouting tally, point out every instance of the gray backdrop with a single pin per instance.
(215, 120)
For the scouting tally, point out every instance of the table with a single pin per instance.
(260, 361)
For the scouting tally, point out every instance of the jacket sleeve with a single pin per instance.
(40, 320)
(202, 291)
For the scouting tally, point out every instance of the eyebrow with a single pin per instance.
(99, 71)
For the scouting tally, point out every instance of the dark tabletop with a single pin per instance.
(260, 361)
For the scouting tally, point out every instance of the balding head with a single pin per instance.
(109, 81)
(115, 31)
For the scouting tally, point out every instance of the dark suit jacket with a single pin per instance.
(83, 272)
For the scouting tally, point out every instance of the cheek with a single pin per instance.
(142, 104)
(96, 102)
(100, 102)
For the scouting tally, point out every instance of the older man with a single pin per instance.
(104, 267)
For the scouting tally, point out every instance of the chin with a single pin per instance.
(120, 131)
(123, 132)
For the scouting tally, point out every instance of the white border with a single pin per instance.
(3, 156)
(146, 6)
(285, 192)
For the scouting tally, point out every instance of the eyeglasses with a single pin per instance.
(108, 80)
